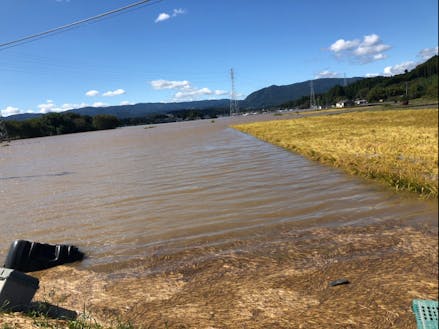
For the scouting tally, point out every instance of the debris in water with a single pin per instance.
(338, 282)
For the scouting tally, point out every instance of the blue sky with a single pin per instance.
(180, 50)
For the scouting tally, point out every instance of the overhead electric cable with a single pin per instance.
(70, 25)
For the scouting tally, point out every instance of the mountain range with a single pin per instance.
(277, 95)
(263, 98)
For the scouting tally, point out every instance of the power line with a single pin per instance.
(71, 25)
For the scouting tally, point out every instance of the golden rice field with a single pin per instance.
(396, 147)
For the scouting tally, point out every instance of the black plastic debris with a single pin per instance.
(338, 282)
(16, 289)
(27, 256)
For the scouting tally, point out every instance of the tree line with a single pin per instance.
(57, 124)
(52, 124)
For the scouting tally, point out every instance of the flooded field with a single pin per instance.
(197, 207)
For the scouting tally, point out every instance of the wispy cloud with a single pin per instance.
(327, 74)
(112, 93)
(367, 50)
(165, 16)
(179, 11)
(170, 84)
(51, 106)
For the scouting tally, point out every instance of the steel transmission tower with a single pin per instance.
(234, 109)
(312, 97)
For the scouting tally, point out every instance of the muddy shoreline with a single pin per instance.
(263, 284)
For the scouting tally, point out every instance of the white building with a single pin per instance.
(343, 103)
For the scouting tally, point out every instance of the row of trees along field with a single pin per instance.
(68, 122)
(420, 82)
(58, 124)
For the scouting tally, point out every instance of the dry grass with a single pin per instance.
(261, 284)
(398, 147)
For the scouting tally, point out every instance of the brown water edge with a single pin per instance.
(265, 283)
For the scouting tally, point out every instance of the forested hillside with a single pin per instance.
(420, 82)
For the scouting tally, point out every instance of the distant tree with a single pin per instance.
(105, 121)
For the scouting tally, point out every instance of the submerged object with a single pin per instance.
(27, 256)
(339, 282)
(16, 289)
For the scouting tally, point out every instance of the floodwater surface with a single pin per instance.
(196, 225)
(123, 195)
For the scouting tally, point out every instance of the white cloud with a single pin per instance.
(377, 57)
(9, 110)
(165, 16)
(193, 93)
(92, 93)
(370, 49)
(162, 17)
(342, 45)
(422, 56)
(428, 53)
(99, 104)
(220, 92)
(399, 68)
(326, 74)
(169, 84)
(112, 93)
(50, 106)
(178, 11)
(126, 103)
(371, 75)
(197, 93)
(47, 107)
(185, 90)
(70, 106)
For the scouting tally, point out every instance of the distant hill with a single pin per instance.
(21, 117)
(143, 109)
(136, 110)
(277, 95)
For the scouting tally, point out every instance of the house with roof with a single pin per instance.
(344, 103)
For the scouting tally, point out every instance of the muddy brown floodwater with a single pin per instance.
(196, 225)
